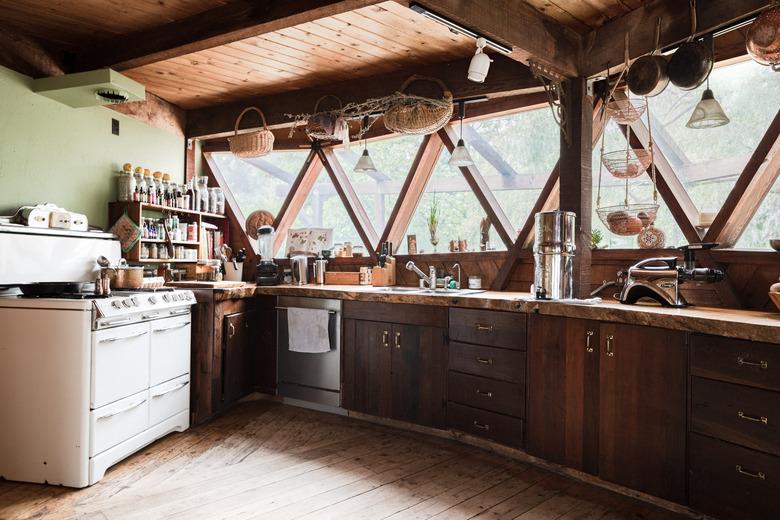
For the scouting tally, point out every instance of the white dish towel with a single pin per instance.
(307, 330)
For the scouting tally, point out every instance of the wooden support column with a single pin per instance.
(576, 179)
(299, 191)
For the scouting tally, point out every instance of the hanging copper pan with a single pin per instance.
(692, 62)
(763, 38)
(648, 74)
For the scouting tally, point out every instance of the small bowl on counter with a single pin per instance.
(775, 244)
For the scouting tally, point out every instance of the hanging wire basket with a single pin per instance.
(628, 219)
(627, 164)
(625, 111)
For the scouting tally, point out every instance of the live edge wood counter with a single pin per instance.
(748, 325)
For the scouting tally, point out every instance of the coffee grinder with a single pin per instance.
(267, 272)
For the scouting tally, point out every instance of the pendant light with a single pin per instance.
(708, 112)
(365, 164)
(460, 155)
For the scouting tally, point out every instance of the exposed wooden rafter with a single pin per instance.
(412, 190)
(296, 197)
(351, 200)
(485, 196)
(27, 56)
(507, 78)
(226, 24)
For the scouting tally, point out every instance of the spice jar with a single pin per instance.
(125, 183)
(220, 201)
(212, 200)
(203, 193)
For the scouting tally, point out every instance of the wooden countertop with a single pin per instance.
(741, 324)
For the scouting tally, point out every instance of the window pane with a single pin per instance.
(709, 161)
(515, 154)
(459, 212)
(765, 224)
(260, 183)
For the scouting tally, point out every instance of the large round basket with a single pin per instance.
(410, 114)
(251, 144)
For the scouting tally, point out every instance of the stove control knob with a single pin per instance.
(136, 301)
(187, 296)
(174, 297)
(152, 299)
(116, 304)
(127, 302)
(166, 298)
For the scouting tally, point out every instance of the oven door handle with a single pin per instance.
(172, 327)
(120, 338)
(177, 387)
(123, 410)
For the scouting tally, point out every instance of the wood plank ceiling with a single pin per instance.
(372, 40)
(585, 15)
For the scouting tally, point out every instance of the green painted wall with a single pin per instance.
(50, 152)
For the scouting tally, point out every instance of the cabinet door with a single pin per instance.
(237, 355)
(563, 364)
(366, 375)
(642, 409)
(419, 369)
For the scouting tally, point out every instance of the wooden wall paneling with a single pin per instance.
(412, 190)
(752, 186)
(299, 191)
(487, 199)
(355, 210)
(576, 180)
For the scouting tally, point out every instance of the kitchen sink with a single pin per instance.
(450, 292)
(397, 289)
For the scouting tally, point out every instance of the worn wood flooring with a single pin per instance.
(268, 461)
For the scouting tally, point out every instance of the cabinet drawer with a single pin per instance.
(746, 362)
(120, 363)
(487, 394)
(168, 399)
(739, 414)
(731, 482)
(500, 428)
(491, 328)
(117, 422)
(170, 349)
(495, 363)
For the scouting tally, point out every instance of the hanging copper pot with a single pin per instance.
(692, 62)
(648, 74)
(763, 38)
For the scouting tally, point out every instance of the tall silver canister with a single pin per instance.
(553, 254)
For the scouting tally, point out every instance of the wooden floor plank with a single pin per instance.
(263, 460)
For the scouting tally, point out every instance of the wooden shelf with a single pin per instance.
(166, 209)
(163, 261)
(175, 242)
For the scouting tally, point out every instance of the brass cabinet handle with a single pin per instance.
(385, 338)
(484, 361)
(741, 361)
(481, 426)
(486, 394)
(397, 340)
(758, 419)
(610, 351)
(588, 335)
(484, 328)
(231, 330)
(758, 474)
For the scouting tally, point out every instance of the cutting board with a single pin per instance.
(193, 284)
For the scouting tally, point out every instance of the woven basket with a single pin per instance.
(410, 114)
(252, 144)
(624, 111)
(627, 165)
(628, 220)
(323, 125)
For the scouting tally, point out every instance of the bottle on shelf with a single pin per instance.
(157, 188)
(126, 183)
(166, 190)
(138, 175)
(189, 196)
(147, 180)
(203, 194)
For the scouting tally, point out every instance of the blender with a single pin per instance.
(267, 272)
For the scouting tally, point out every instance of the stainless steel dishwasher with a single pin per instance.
(304, 377)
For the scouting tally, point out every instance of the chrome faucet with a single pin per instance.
(451, 270)
(429, 279)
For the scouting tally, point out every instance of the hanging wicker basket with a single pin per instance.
(627, 164)
(327, 125)
(251, 144)
(628, 220)
(624, 111)
(410, 114)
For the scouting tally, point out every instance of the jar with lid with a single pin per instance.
(138, 175)
(212, 200)
(146, 185)
(203, 193)
(166, 187)
(144, 254)
(158, 188)
(220, 201)
(125, 183)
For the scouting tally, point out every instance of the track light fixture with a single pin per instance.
(457, 28)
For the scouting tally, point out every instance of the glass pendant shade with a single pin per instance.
(708, 113)
(460, 156)
(365, 163)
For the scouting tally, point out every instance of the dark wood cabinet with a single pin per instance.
(238, 332)
(610, 399)
(395, 369)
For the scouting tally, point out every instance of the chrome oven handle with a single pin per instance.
(117, 322)
(177, 387)
(120, 338)
(172, 327)
(123, 410)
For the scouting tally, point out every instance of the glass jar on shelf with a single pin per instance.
(166, 187)
(220, 201)
(212, 200)
(144, 253)
(125, 184)
(203, 193)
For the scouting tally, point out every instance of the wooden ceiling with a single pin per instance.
(585, 15)
(371, 40)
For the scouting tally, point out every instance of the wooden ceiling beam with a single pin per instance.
(231, 22)
(27, 56)
(532, 36)
(507, 78)
(412, 190)
(603, 47)
(296, 197)
(486, 197)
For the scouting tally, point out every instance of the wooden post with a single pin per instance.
(576, 177)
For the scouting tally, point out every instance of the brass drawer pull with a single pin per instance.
(760, 419)
(484, 328)
(759, 474)
(481, 426)
(588, 347)
(484, 361)
(741, 361)
(486, 394)
(610, 351)
(397, 340)
(385, 338)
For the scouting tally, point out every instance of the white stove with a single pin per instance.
(130, 307)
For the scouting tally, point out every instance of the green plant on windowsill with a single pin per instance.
(433, 221)
(596, 236)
